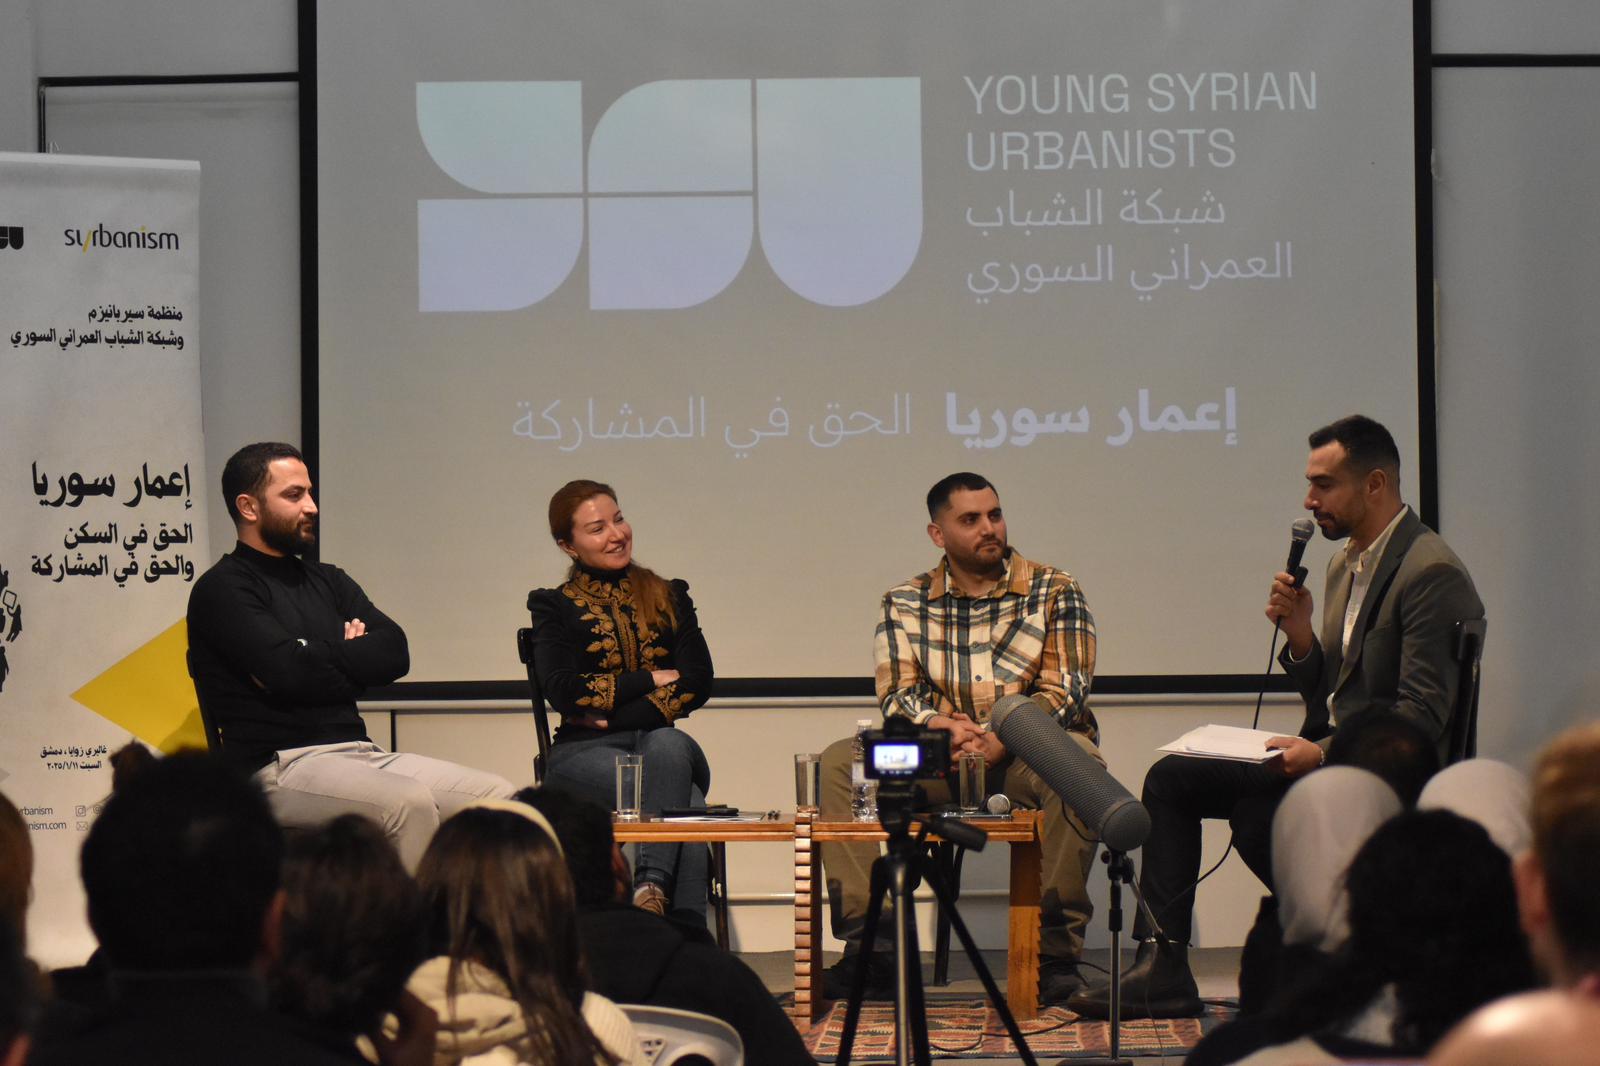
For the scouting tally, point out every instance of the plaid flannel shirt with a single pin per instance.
(939, 650)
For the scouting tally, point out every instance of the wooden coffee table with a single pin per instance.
(717, 833)
(1022, 959)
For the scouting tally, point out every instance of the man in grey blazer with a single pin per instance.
(1391, 602)
(1393, 596)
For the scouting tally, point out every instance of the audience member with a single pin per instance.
(352, 931)
(19, 978)
(16, 870)
(1560, 911)
(1558, 881)
(637, 957)
(128, 762)
(1553, 1027)
(1494, 795)
(1432, 937)
(1378, 741)
(181, 871)
(1390, 745)
(77, 989)
(509, 978)
(1339, 809)
(18, 994)
(1318, 828)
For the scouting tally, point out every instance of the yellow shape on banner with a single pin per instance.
(150, 695)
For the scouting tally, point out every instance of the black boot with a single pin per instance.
(837, 979)
(1157, 985)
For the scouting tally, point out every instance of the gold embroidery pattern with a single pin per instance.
(604, 687)
(582, 586)
(621, 643)
(625, 630)
(669, 701)
(593, 597)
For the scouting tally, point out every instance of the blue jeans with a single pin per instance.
(676, 774)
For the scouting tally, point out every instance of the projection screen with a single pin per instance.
(771, 269)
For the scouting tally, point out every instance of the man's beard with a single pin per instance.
(977, 563)
(1338, 531)
(286, 537)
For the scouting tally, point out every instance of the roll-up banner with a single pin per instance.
(102, 529)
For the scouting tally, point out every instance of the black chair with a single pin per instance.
(541, 716)
(541, 724)
(1464, 721)
(213, 734)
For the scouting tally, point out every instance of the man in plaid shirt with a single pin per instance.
(983, 624)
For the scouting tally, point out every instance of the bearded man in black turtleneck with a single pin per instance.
(280, 649)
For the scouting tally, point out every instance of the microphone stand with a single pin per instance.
(1119, 871)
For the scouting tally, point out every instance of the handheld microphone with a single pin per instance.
(1299, 534)
(1107, 808)
(999, 803)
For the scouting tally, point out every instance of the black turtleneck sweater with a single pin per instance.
(593, 656)
(269, 658)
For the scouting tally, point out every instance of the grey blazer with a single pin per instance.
(1402, 649)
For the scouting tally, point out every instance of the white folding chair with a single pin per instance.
(668, 1036)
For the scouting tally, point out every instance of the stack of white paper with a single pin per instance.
(1225, 742)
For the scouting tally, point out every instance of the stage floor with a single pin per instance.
(1216, 971)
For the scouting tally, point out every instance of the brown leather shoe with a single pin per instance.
(649, 897)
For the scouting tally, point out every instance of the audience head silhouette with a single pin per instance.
(182, 868)
(352, 927)
(1557, 881)
(499, 898)
(584, 829)
(1393, 747)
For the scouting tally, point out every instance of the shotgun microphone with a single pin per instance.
(1108, 809)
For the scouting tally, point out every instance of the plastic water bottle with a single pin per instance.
(863, 789)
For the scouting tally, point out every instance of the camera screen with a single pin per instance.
(896, 759)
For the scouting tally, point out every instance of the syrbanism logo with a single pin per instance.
(10, 236)
(678, 178)
(142, 239)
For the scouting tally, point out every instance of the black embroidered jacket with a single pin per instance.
(594, 657)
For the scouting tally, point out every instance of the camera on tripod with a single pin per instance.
(897, 757)
(903, 752)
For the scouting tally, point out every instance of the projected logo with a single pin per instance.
(679, 175)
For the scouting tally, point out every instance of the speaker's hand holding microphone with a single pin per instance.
(1289, 602)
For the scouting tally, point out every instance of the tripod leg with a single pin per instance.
(858, 983)
(910, 1013)
(947, 907)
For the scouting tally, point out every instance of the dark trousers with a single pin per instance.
(1181, 790)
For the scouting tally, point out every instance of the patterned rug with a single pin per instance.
(962, 1027)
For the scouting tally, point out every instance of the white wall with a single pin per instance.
(18, 75)
(1517, 267)
(1535, 26)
